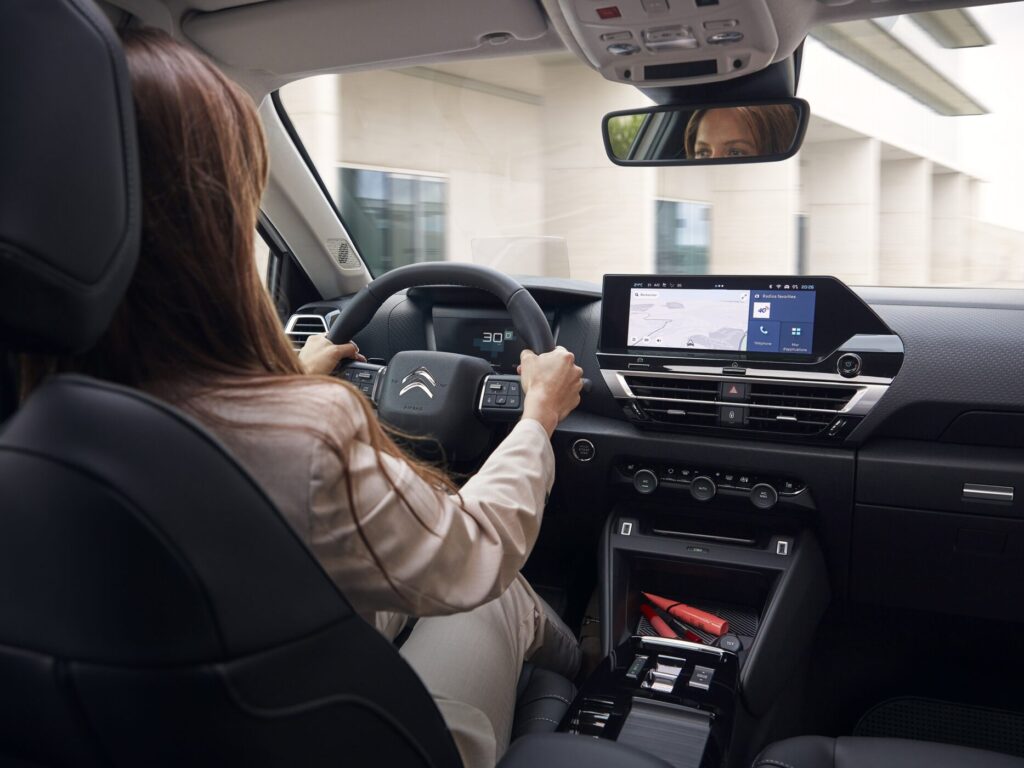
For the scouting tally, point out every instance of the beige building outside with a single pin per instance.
(502, 162)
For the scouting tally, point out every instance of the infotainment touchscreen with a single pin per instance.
(730, 317)
(770, 319)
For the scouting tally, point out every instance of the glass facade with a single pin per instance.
(682, 237)
(396, 218)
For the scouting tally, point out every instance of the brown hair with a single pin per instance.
(772, 125)
(196, 318)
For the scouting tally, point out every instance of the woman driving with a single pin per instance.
(197, 328)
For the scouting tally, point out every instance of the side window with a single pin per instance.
(262, 257)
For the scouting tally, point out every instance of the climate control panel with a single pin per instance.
(705, 483)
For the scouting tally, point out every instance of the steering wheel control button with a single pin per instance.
(733, 415)
(502, 397)
(730, 643)
(583, 450)
(703, 488)
(764, 496)
(645, 481)
(849, 365)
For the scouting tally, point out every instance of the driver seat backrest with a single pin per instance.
(155, 609)
(158, 610)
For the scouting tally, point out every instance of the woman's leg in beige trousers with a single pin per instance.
(470, 662)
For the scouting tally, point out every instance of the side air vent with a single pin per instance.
(301, 327)
(676, 401)
(795, 408)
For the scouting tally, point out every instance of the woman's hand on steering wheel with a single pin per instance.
(552, 383)
(320, 357)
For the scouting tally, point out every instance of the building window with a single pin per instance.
(394, 218)
(682, 237)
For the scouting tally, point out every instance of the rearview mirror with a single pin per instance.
(706, 134)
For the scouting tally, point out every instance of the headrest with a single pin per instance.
(70, 211)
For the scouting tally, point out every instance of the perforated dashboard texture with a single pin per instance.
(965, 358)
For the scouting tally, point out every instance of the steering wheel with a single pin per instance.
(454, 399)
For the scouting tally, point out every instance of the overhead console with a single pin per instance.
(671, 42)
(773, 357)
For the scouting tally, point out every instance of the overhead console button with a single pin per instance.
(654, 6)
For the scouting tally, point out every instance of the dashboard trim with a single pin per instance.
(866, 397)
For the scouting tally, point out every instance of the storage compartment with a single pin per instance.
(961, 564)
(772, 589)
(735, 595)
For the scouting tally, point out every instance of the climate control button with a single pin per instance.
(703, 488)
(764, 496)
(645, 481)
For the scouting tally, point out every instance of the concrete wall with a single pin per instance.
(951, 227)
(841, 198)
(905, 222)
(604, 212)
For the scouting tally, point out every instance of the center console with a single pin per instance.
(683, 698)
(712, 578)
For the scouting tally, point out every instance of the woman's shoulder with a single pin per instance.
(317, 404)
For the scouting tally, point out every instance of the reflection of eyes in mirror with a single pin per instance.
(740, 132)
(678, 135)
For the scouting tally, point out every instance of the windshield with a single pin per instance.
(909, 174)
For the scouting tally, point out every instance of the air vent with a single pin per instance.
(301, 327)
(676, 401)
(795, 408)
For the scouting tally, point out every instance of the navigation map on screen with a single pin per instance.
(737, 320)
(679, 318)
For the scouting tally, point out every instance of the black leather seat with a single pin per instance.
(155, 609)
(853, 752)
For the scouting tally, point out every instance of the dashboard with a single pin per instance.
(882, 427)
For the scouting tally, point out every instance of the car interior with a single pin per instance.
(784, 523)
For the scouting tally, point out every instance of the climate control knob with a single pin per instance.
(703, 488)
(763, 496)
(645, 481)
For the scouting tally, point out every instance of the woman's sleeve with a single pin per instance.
(416, 549)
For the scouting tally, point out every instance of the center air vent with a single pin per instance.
(768, 407)
(301, 327)
(676, 401)
(795, 408)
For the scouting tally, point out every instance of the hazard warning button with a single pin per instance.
(734, 390)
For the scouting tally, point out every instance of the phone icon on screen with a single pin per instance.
(763, 330)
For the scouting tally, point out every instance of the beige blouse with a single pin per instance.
(460, 556)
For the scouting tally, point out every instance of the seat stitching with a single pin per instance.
(566, 701)
(549, 720)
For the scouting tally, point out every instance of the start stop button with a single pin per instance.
(583, 450)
